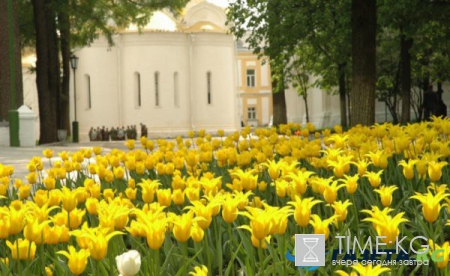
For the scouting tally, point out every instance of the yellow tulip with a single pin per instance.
(374, 178)
(5, 225)
(387, 226)
(340, 209)
(77, 260)
(199, 271)
(98, 246)
(230, 209)
(302, 212)
(149, 188)
(204, 211)
(260, 223)
(130, 144)
(321, 226)
(370, 270)
(385, 193)
(351, 183)
(435, 170)
(182, 226)
(156, 233)
(197, 233)
(430, 204)
(330, 192)
(362, 166)
(69, 199)
(22, 249)
(48, 153)
(442, 256)
(24, 191)
(299, 181)
(408, 168)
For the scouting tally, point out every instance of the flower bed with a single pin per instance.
(231, 204)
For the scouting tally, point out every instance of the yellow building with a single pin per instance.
(255, 88)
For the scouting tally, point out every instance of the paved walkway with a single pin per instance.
(19, 157)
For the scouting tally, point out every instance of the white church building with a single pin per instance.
(173, 76)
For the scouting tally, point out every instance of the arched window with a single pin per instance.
(176, 92)
(137, 89)
(208, 87)
(88, 91)
(157, 89)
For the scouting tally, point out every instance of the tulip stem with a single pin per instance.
(184, 251)
(156, 261)
(261, 257)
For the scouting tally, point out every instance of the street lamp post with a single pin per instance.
(75, 129)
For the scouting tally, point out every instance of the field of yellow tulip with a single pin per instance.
(229, 205)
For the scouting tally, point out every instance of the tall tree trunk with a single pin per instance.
(342, 93)
(5, 73)
(64, 104)
(46, 97)
(405, 46)
(364, 23)
(305, 100)
(279, 105)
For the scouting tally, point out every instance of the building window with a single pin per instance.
(251, 113)
(208, 86)
(176, 92)
(157, 88)
(250, 77)
(137, 85)
(88, 91)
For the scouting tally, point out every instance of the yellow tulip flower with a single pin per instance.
(321, 226)
(299, 181)
(351, 183)
(260, 223)
(442, 256)
(430, 204)
(387, 226)
(230, 208)
(205, 211)
(48, 153)
(77, 260)
(370, 270)
(385, 193)
(435, 170)
(98, 246)
(69, 199)
(362, 166)
(22, 249)
(340, 209)
(408, 168)
(182, 226)
(197, 233)
(330, 192)
(302, 212)
(199, 271)
(149, 188)
(374, 178)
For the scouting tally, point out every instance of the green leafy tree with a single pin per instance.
(292, 26)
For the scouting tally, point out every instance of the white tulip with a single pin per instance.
(129, 263)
